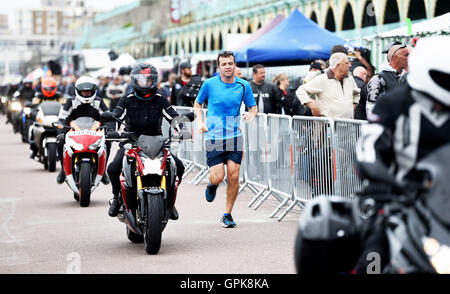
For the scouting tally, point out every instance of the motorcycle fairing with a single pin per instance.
(151, 145)
(437, 198)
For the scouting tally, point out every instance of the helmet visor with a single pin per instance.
(49, 89)
(143, 80)
(86, 93)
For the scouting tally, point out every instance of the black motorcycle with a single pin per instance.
(15, 113)
(148, 176)
(416, 224)
(28, 114)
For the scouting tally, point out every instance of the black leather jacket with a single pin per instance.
(144, 116)
(271, 97)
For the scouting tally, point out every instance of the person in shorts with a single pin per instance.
(225, 94)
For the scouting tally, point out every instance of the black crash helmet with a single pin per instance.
(144, 78)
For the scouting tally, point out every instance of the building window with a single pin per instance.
(369, 17)
(330, 23)
(349, 20)
(442, 7)
(391, 14)
(313, 17)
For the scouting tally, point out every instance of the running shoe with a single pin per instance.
(228, 221)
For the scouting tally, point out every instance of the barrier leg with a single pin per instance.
(256, 197)
(263, 199)
(254, 190)
(283, 203)
(189, 168)
(288, 210)
(242, 187)
(203, 175)
(200, 173)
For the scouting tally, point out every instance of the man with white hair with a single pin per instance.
(335, 90)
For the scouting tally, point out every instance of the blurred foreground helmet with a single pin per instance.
(328, 238)
(85, 89)
(144, 79)
(48, 87)
(429, 68)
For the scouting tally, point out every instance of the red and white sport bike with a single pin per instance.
(84, 157)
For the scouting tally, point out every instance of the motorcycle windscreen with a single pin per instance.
(84, 123)
(151, 145)
(50, 107)
(437, 198)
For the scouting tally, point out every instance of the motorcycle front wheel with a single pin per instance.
(51, 157)
(85, 184)
(153, 223)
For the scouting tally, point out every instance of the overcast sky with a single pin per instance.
(8, 6)
(11, 5)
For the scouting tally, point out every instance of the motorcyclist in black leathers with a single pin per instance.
(86, 103)
(406, 124)
(143, 110)
(26, 92)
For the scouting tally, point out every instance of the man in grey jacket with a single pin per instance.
(265, 94)
(389, 77)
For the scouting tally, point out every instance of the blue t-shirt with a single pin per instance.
(224, 105)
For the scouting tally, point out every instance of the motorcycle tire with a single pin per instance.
(51, 157)
(133, 237)
(15, 126)
(25, 132)
(85, 184)
(153, 224)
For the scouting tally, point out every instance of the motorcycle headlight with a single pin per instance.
(95, 145)
(152, 166)
(16, 106)
(3, 99)
(438, 254)
(27, 110)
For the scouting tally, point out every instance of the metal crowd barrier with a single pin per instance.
(312, 152)
(199, 154)
(255, 141)
(293, 159)
(279, 159)
(184, 147)
(346, 134)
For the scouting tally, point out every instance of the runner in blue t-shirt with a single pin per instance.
(225, 94)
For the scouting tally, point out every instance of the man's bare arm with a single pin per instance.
(251, 114)
(314, 109)
(198, 113)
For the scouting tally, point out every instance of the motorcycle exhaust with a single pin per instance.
(141, 202)
(122, 217)
(131, 223)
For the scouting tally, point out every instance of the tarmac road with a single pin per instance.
(44, 230)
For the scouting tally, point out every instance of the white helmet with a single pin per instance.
(429, 68)
(85, 89)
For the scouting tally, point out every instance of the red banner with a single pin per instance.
(175, 11)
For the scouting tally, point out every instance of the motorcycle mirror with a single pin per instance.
(107, 116)
(58, 125)
(191, 116)
(188, 117)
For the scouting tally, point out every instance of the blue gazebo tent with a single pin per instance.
(295, 40)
